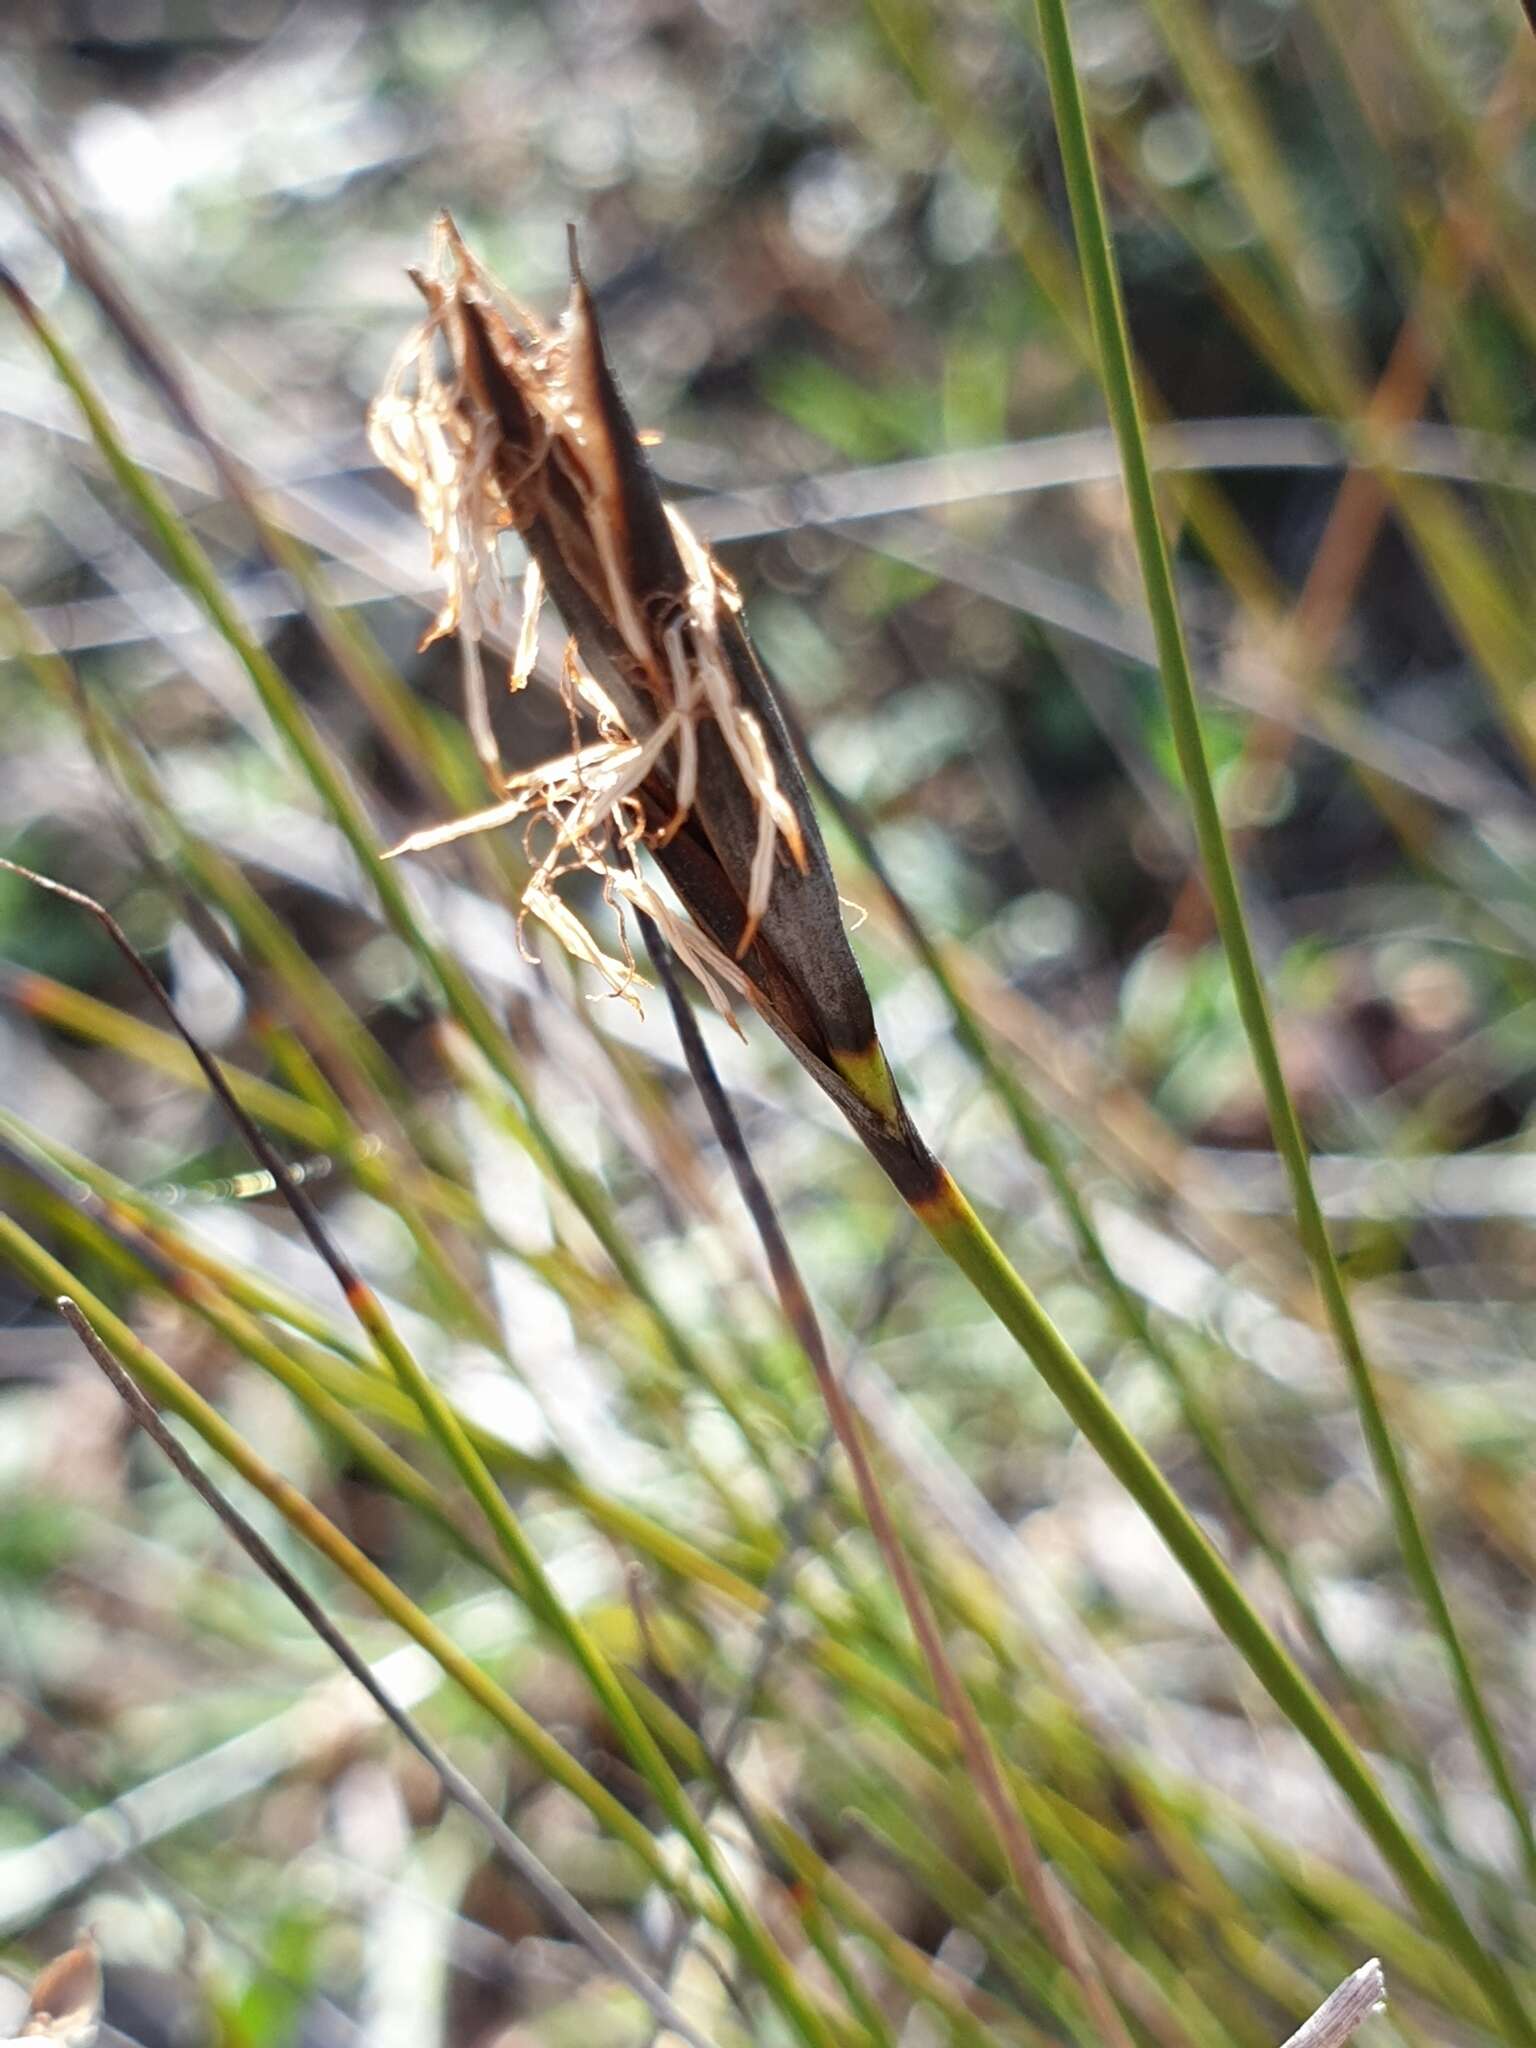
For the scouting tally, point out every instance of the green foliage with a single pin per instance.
(556, 1437)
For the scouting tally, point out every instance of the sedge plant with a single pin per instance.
(527, 431)
(681, 800)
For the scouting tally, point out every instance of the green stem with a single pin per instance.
(961, 1234)
(1106, 307)
(1034, 1132)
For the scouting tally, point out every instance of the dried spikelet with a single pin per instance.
(678, 749)
(444, 451)
(427, 428)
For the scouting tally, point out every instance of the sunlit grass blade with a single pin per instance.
(1035, 1133)
(190, 564)
(1052, 1913)
(1304, 350)
(172, 1392)
(568, 529)
(1102, 284)
(838, 1658)
(877, 1893)
(535, 1584)
(457, 1787)
(30, 1259)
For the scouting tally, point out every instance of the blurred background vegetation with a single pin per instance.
(832, 251)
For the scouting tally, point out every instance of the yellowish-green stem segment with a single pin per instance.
(958, 1230)
(870, 1078)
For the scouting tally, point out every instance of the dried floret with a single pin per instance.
(679, 755)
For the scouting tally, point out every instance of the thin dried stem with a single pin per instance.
(1343, 2011)
(1036, 1884)
(539, 1880)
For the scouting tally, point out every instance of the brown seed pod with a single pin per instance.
(679, 749)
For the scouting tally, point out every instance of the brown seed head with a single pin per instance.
(678, 751)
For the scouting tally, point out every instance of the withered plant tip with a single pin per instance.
(444, 438)
(497, 423)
